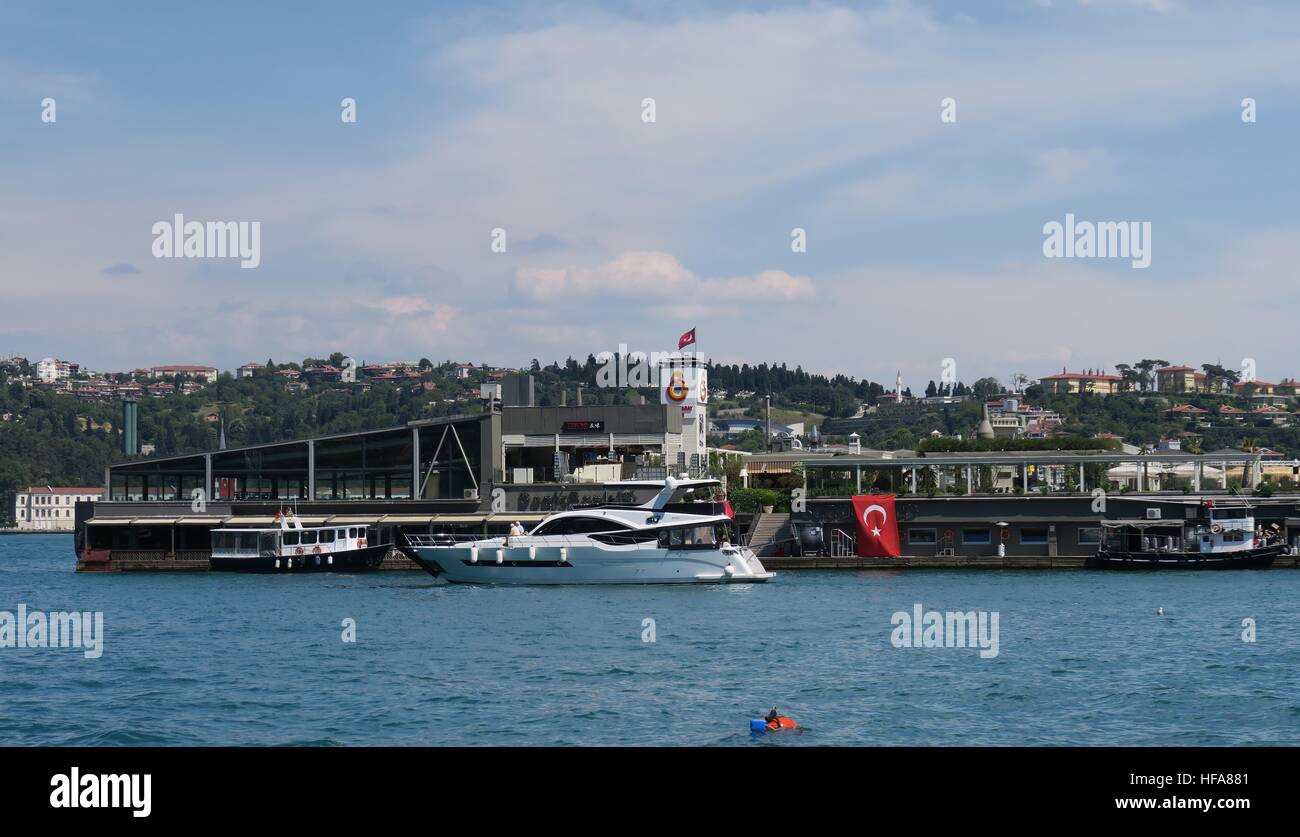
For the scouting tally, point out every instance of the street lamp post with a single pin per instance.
(768, 399)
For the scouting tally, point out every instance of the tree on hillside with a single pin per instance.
(1145, 373)
(986, 388)
(1217, 377)
(1132, 378)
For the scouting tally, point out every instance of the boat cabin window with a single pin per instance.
(689, 537)
(234, 541)
(290, 538)
(341, 534)
(308, 537)
(327, 536)
(578, 526)
(266, 543)
(352, 532)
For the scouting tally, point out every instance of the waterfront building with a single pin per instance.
(247, 370)
(476, 470)
(42, 508)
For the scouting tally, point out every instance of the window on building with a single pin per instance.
(1036, 534)
(921, 537)
(1089, 535)
(976, 536)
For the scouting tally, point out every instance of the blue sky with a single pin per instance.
(924, 238)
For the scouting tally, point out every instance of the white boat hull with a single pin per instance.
(491, 562)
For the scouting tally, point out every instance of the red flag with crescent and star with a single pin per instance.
(877, 526)
(686, 339)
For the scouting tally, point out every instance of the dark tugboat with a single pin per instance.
(291, 547)
(1219, 539)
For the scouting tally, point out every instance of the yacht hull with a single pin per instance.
(493, 563)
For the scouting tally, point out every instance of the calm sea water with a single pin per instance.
(205, 659)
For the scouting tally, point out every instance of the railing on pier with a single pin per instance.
(843, 545)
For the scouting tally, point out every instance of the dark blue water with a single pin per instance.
(1084, 658)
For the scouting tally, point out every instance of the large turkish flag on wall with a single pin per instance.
(877, 526)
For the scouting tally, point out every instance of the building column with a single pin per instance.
(415, 463)
(207, 477)
(1083, 478)
(913, 480)
(1197, 473)
(311, 469)
(857, 477)
(970, 482)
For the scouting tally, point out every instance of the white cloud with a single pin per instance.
(657, 277)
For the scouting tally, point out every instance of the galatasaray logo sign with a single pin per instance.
(676, 389)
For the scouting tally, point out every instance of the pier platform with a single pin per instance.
(951, 562)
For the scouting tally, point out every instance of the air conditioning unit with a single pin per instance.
(471, 494)
(1153, 514)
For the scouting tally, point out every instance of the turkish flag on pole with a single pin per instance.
(686, 339)
(877, 526)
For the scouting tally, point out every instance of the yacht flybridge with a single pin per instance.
(290, 546)
(659, 542)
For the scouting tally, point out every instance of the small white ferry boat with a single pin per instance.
(659, 542)
(289, 546)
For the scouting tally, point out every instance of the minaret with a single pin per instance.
(898, 386)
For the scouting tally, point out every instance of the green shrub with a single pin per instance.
(752, 500)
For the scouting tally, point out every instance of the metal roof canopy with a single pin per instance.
(289, 442)
(1030, 457)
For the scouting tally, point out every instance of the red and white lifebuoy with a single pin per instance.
(315, 550)
(298, 551)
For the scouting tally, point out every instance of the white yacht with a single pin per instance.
(659, 542)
